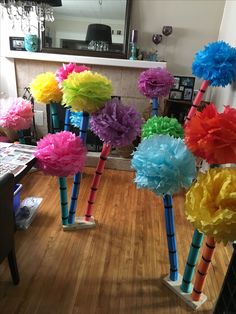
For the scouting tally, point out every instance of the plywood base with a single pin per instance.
(186, 297)
(80, 223)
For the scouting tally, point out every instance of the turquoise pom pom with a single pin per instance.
(163, 164)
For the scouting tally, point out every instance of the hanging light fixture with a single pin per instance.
(24, 11)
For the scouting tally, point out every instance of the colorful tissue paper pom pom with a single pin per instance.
(162, 125)
(76, 118)
(211, 204)
(212, 135)
(216, 63)
(163, 164)
(86, 91)
(45, 89)
(17, 114)
(61, 154)
(155, 82)
(116, 124)
(63, 72)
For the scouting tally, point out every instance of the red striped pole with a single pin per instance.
(96, 179)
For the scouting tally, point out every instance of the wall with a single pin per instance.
(227, 95)
(195, 23)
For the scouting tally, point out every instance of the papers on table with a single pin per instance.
(15, 157)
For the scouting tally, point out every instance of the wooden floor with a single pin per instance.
(116, 268)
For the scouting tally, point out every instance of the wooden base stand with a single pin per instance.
(186, 297)
(80, 223)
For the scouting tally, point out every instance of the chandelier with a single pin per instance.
(27, 11)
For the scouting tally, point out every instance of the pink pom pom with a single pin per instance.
(63, 72)
(61, 154)
(17, 114)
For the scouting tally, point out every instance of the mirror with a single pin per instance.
(78, 22)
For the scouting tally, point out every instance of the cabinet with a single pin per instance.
(179, 108)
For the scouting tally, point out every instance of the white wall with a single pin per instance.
(227, 95)
(195, 23)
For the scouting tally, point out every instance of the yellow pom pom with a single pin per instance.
(86, 91)
(44, 88)
(211, 204)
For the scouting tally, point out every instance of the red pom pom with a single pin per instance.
(212, 135)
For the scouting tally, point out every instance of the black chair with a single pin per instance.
(7, 225)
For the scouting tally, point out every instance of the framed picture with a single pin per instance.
(176, 82)
(182, 88)
(188, 93)
(17, 43)
(176, 95)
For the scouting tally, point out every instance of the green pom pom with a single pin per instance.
(162, 125)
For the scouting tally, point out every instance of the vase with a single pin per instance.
(31, 43)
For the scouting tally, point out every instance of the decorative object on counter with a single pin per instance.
(17, 43)
(166, 31)
(98, 37)
(164, 165)
(133, 44)
(31, 42)
(216, 65)
(154, 83)
(156, 39)
(16, 114)
(116, 125)
(25, 11)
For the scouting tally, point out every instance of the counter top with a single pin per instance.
(83, 59)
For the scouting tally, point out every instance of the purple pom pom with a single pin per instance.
(116, 124)
(155, 82)
(61, 154)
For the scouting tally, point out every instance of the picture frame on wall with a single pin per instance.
(17, 43)
(183, 88)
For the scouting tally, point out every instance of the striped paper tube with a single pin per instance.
(197, 100)
(191, 261)
(21, 136)
(171, 240)
(203, 268)
(61, 180)
(67, 120)
(77, 178)
(54, 117)
(155, 106)
(96, 179)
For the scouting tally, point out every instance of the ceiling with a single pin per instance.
(109, 9)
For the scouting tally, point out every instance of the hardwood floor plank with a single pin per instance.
(115, 268)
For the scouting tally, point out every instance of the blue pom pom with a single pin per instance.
(163, 164)
(75, 118)
(216, 63)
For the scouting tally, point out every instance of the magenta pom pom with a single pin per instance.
(63, 72)
(16, 114)
(116, 124)
(155, 82)
(61, 154)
